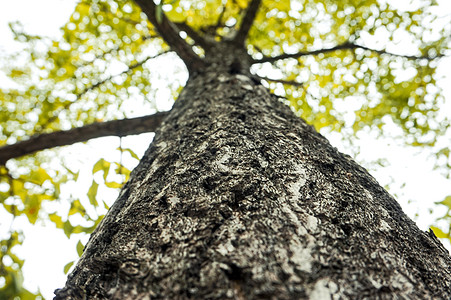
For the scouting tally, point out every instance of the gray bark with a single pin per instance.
(237, 198)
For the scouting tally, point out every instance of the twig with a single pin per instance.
(96, 85)
(289, 82)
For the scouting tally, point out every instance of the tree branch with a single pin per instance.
(170, 33)
(130, 68)
(344, 46)
(116, 49)
(198, 39)
(96, 85)
(289, 82)
(68, 137)
(247, 22)
(219, 22)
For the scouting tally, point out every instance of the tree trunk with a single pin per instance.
(237, 198)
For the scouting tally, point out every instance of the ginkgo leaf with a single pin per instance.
(80, 248)
(92, 193)
(68, 266)
(102, 165)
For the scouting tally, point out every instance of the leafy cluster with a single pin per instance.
(321, 55)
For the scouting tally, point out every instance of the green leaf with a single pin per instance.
(80, 248)
(39, 176)
(101, 165)
(68, 266)
(92, 193)
(175, 16)
(57, 220)
(446, 202)
(76, 207)
(68, 228)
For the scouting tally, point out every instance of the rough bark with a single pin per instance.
(237, 198)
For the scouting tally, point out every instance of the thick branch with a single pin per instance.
(68, 137)
(345, 46)
(247, 22)
(170, 33)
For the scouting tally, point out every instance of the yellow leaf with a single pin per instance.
(175, 16)
(101, 165)
(76, 207)
(113, 184)
(92, 193)
(39, 176)
(57, 220)
(439, 233)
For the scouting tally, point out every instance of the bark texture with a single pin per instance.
(237, 198)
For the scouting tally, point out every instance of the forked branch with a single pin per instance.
(68, 137)
(344, 46)
(170, 33)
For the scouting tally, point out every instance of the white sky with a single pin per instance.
(47, 250)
